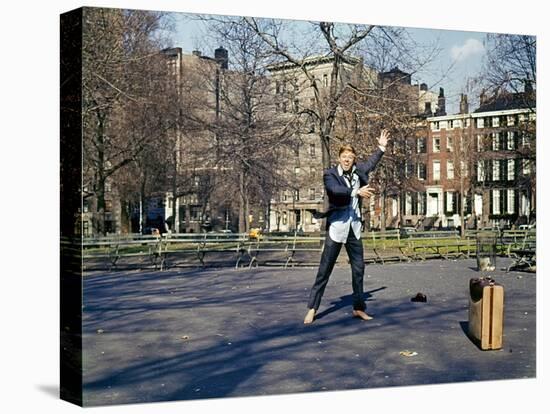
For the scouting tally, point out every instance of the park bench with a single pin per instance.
(305, 250)
(112, 248)
(271, 249)
(384, 247)
(199, 245)
(439, 244)
(524, 254)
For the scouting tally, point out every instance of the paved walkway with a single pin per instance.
(191, 333)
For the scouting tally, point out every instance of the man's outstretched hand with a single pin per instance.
(384, 138)
(365, 191)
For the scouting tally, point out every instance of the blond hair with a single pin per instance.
(347, 147)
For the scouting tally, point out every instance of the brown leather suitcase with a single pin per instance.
(486, 313)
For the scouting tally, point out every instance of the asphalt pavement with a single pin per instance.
(190, 333)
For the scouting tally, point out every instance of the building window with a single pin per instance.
(312, 193)
(463, 169)
(408, 168)
(312, 150)
(277, 87)
(312, 172)
(496, 141)
(421, 145)
(108, 206)
(511, 169)
(526, 167)
(450, 170)
(495, 123)
(325, 80)
(512, 120)
(511, 201)
(436, 144)
(450, 202)
(479, 123)
(435, 126)
(436, 170)
(296, 105)
(296, 170)
(496, 201)
(510, 140)
(195, 213)
(479, 142)
(422, 202)
(296, 195)
(285, 195)
(450, 144)
(496, 170)
(481, 170)
(421, 171)
(285, 218)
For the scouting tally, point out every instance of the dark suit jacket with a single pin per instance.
(339, 194)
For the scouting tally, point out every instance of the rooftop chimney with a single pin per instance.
(423, 87)
(197, 53)
(463, 103)
(441, 103)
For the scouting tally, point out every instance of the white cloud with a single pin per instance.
(469, 48)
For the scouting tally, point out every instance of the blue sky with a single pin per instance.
(460, 57)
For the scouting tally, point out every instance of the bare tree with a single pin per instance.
(246, 136)
(508, 80)
(120, 82)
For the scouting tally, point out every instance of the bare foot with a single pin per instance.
(309, 316)
(361, 314)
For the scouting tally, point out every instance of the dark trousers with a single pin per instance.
(330, 253)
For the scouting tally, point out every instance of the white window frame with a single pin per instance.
(511, 195)
(511, 169)
(449, 206)
(436, 170)
(496, 170)
(450, 148)
(438, 145)
(510, 135)
(480, 171)
(496, 201)
(526, 167)
(495, 136)
(479, 123)
(450, 170)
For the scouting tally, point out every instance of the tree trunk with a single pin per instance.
(383, 211)
(461, 205)
(101, 207)
(242, 214)
(143, 202)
